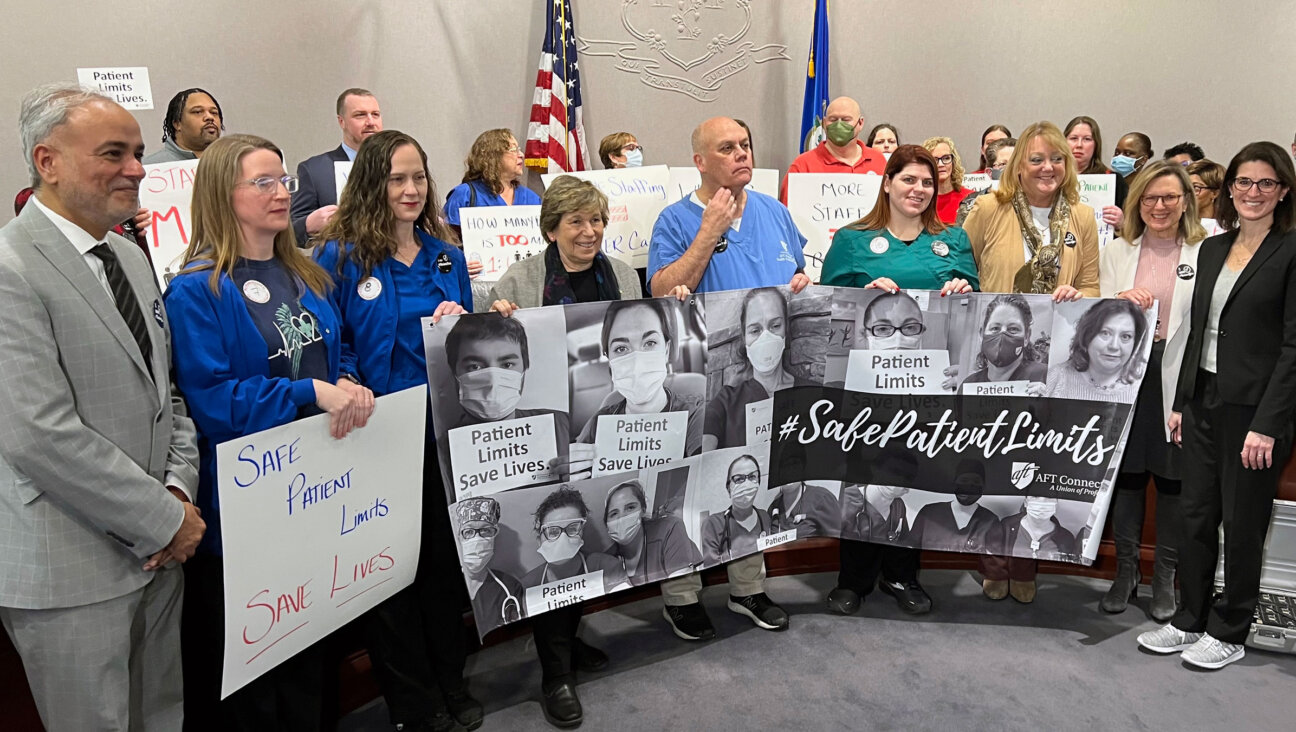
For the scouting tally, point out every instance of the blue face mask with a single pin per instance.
(1123, 164)
(634, 159)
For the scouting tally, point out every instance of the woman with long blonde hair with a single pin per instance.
(256, 345)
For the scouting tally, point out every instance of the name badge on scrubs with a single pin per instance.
(721, 244)
(1069, 239)
(444, 265)
(369, 288)
(940, 248)
(1185, 272)
(879, 245)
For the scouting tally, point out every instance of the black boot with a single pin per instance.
(1127, 530)
(1163, 605)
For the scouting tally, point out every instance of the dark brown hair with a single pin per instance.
(880, 216)
(1278, 159)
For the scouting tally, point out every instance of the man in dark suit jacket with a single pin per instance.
(98, 458)
(316, 198)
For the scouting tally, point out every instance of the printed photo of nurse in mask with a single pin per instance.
(760, 341)
(1003, 339)
(496, 595)
(651, 547)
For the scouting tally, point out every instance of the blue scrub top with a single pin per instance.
(461, 196)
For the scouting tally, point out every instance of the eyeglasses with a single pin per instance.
(1199, 187)
(513, 150)
(1266, 185)
(267, 184)
(742, 478)
(886, 330)
(1000, 166)
(945, 160)
(632, 147)
(549, 532)
(485, 532)
(1170, 200)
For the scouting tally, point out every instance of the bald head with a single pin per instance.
(722, 154)
(843, 107)
(704, 135)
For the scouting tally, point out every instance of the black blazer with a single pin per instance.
(315, 189)
(1256, 361)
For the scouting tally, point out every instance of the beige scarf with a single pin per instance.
(1040, 274)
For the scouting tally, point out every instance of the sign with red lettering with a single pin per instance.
(498, 236)
(635, 197)
(316, 531)
(165, 192)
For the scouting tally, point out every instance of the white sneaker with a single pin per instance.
(1168, 640)
(1212, 653)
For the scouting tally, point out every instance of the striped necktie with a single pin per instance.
(125, 297)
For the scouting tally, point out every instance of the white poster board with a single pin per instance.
(341, 171)
(635, 197)
(977, 182)
(166, 191)
(127, 85)
(897, 372)
(1096, 191)
(685, 179)
(498, 236)
(821, 203)
(316, 531)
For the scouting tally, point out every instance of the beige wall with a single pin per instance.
(1219, 73)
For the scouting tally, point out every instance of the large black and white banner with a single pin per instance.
(589, 448)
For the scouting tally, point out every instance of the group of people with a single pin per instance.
(117, 394)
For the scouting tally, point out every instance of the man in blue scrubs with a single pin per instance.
(724, 237)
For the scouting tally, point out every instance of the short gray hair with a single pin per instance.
(43, 110)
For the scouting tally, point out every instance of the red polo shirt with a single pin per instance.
(819, 160)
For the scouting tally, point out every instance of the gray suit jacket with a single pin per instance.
(316, 188)
(87, 435)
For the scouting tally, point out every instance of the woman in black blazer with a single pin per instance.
(1234, 407)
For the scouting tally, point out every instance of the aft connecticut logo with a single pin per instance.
(1023, 474)
(685, 46)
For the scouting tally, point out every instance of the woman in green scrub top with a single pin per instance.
(902, 242)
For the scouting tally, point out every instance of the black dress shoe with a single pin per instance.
(562, 708)
(910, 596)
(587, 658)
(844, 601)
(464, 708)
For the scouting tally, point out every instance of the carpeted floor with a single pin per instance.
(971, 664)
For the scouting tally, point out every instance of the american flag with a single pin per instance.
(556, 135)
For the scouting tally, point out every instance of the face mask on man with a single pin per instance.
(625, 529)
(634, 159)
(477, 553)
(491, 393)
(1002, 348)
(1041, 509)
(766, 352)
(639, 375)
(840, 133)
(561, 549)
(1124, 164)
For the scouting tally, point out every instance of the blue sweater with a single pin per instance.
(223, 371)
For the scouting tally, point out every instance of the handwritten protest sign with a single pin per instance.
(1096, 191)
(316, 531)
(341, 171)
(821, 203)
(500, 455)
(685, 179)
(637, 441)
(498, 236)
(896, 372)
(166, 191)
(127, 85)
(635, 197)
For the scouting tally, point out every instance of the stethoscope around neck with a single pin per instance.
(510, 607)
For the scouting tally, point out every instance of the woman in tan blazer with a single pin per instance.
(1033, 236)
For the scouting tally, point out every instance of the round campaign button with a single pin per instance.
(369, 288)
(1069, 239)
(940, 248)
(256, 292)
(1185, 272)
(879, 245)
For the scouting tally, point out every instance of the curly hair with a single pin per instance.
(364, 216)
(956, 170)
(564, 497)
(483, 161)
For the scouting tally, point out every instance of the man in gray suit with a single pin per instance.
(316, 198)
(98, 460)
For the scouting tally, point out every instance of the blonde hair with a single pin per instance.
(1010, 183)
(1190, 227)
(217, 242)
(956, 171)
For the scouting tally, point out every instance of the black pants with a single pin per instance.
(555, 639)
(863, 561)
(416, 637)
(288, 697)
(1217, 489)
